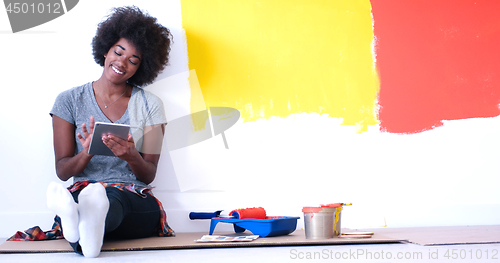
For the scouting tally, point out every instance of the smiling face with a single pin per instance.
(121, 62)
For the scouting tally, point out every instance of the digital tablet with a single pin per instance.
(97, 147)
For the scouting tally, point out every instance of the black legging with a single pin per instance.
(129, 215)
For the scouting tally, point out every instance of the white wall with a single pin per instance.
(446, 176)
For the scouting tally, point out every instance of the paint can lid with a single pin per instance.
(318, 209)
(328, 208)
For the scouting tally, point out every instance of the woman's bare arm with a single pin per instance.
(144, 164)
(67, 163)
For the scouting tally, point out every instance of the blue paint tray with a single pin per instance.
(269, 227)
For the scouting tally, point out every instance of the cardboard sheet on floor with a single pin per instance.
(444, 235)
(186, 241)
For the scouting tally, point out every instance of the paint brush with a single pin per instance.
(336, 204)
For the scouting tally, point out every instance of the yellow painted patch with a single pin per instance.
(197, 103)
(276, 58)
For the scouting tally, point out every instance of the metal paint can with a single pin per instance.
(322, 222)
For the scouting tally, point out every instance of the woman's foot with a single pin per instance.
(93, 207)
(60, 201)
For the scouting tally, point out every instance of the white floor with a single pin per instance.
(400, 252)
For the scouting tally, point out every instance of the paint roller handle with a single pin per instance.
(204, 215)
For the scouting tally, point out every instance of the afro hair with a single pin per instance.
(144, 32)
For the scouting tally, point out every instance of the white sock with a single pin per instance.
(60, 201)
(93, 207)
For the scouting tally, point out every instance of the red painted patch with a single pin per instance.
(437, 60)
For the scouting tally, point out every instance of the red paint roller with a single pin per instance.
(247, 213)
(241, 213)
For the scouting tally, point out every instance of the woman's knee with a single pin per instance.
(116, 211)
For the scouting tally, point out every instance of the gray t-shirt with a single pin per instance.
(76, 105)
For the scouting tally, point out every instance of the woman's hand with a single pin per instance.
(87, 135)
(123, 149)
(142, 164)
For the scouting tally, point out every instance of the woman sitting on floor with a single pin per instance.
(110, 196)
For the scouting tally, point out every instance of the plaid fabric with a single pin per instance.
(35, 233)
